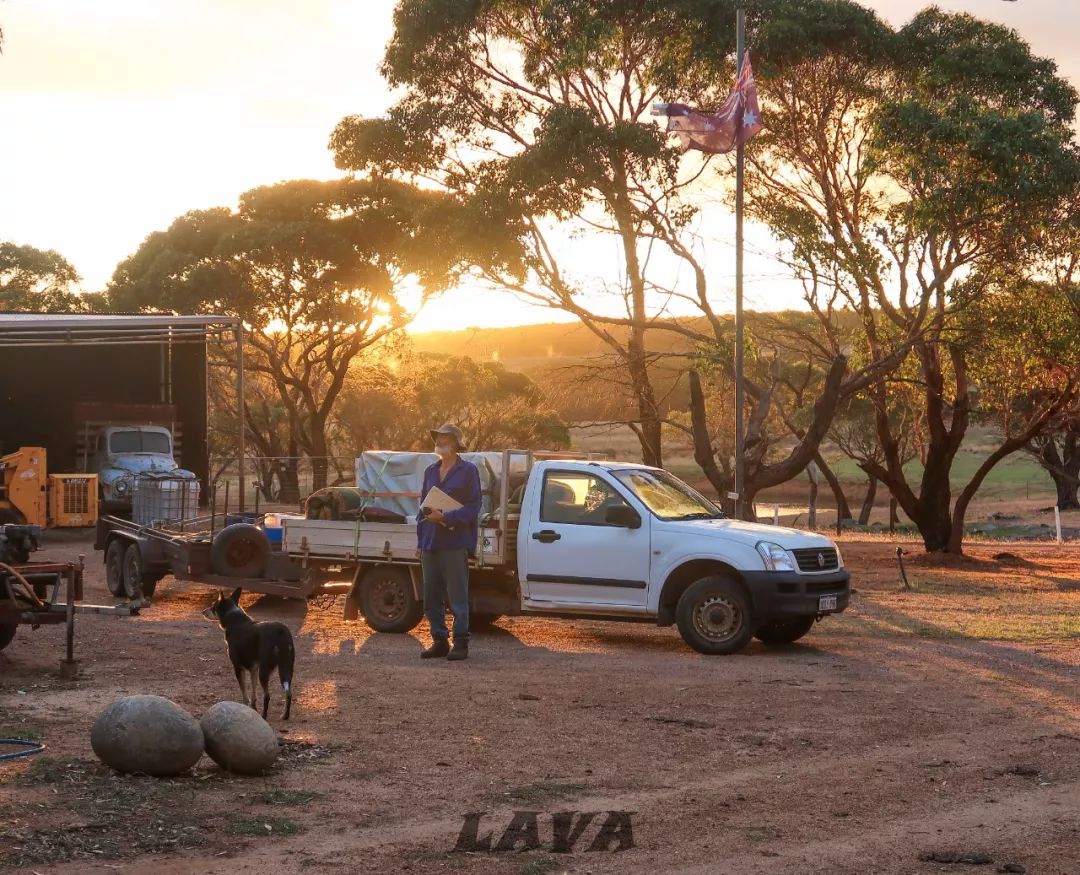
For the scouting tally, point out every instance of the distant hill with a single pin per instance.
(530, 343)
(567, 359)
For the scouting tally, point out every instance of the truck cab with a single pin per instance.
(125, 451)
(627, 541)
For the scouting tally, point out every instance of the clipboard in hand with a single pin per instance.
(438, 500)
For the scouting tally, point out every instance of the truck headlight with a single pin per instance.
(120, 486)
(839, 557)
(775, 557)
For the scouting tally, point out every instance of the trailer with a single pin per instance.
(30, 591)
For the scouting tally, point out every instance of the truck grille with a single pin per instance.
(813, 559)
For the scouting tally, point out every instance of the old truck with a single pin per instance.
(580, 539)
(119, 442)
(124, 452)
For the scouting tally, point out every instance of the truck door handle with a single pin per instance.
(546, 536)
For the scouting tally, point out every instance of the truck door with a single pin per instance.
(574, 556)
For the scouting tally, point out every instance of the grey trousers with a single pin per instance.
(446, 581)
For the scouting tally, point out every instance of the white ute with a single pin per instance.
(601, 540)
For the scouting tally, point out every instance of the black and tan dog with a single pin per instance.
(260, 647)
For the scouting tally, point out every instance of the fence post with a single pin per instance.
(893, 518)
(1057, 522)
(776, 514)
(811, 516)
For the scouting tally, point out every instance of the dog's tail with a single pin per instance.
(286, 658)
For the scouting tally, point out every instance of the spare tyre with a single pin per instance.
(240, 550)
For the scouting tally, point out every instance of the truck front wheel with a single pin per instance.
(387, 600)
(784, 631)
(714, 616)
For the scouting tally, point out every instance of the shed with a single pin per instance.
(58, 372)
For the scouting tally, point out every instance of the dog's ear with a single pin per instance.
(236, 594)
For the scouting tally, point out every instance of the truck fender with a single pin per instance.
(687, 573)
(352, 599)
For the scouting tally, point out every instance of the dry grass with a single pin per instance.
(1034, 600)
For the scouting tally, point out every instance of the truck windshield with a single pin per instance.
(135, 441)
(667, 496)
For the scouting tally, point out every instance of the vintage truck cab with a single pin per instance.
(125, 451)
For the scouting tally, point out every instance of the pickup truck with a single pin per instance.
(580, 540)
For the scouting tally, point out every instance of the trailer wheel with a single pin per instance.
(785, 631)
(134, 578)
(714, 616)
(7, 633)
(114, 566)
(240, 550)
(387, 600)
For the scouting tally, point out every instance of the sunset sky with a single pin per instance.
(120, 115)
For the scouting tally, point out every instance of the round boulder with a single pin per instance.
(238, 739)
(148, 734)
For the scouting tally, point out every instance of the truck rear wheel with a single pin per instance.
(714, 616)
(7, 633)
(114, 566)
(784, 631)
(387, 600)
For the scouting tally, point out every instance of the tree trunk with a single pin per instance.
(936, 528)
(843, 509)
(868, 502)
(1066, 491)
(1063, 469)
(703, 451)
(290, 482)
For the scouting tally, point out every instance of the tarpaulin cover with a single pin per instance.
(393, 481)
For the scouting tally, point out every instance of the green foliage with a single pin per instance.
(394, 407)
(313, 269)
(38, 281)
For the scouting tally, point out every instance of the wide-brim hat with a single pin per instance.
(452, 430)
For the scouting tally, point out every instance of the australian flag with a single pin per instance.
(735, 122)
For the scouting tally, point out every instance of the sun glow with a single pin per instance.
(122, 115)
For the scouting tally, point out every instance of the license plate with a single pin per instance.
(826, 603)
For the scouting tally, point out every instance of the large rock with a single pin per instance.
(238, 739)
(147, 734)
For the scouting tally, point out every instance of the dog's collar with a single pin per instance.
(234, 609)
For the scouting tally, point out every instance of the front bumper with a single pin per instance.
(780, 595)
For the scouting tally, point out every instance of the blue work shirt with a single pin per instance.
(462, 483)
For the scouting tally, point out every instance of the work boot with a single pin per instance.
(437, 650)
(460, 651)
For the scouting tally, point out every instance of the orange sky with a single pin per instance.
(119, 115)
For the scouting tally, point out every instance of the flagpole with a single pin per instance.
(740, 157)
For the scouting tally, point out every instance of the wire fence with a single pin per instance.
(278, 481)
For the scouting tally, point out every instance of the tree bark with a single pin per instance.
(761, 477)
(1066, 489)
(868, 502)
(1063, 466)
(703, 451)
(843, 509)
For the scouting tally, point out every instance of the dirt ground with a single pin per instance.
(925, 726)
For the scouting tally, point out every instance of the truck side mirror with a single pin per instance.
(623, 515)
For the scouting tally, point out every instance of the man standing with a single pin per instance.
(445, 540)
